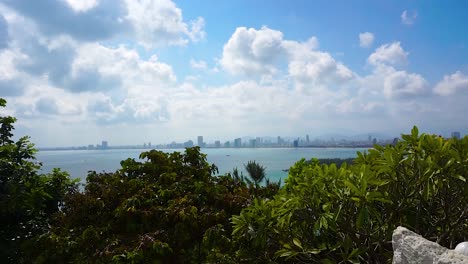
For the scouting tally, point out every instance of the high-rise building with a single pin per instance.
(237, 142)
(456, 134)
(227, 144)
(296, 143)
(104, 145)
(253, 143)
(307, 138)
(200, 142)
(217, 144)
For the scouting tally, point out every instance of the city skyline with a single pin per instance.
(256, 142)
(75, 72)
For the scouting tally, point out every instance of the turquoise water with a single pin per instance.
(79, 162)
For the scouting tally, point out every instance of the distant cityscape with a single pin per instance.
(246, 142)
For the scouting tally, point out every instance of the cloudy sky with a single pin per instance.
(75, 72)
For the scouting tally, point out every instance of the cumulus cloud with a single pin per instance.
(366, 39)
(12, 81)
(451, 84)
(253, 52)
(387, 83)
(262, 52)
(57, 17)
(392, 54)
(403, 84)
(47, 105)
(318, 68)
(152, 23)
(58, 75)
(200, 65)
(4, 36)
(82, 5)
(408, 18)
(97, 67)
(160, 23)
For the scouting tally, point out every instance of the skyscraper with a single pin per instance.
(201, 144)
(104, 144)
(296, 143)
(237, 142)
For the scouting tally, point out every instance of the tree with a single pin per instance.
(27, 199)
(164, 208)
(255, 171)
(331, 214)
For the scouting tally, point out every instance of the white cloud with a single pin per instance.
(160, 23)
(366, 39)
(197, 29)
(318, 68)
(403, 84)
(408, 18)
(387, 83)
(263, 52)
(70, 85)
(452, 83)
(392, 54)
(253, 52)
(200, 65)
(119, 66)
(81, 5)
(7, 66)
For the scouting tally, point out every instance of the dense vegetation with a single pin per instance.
(171, 208)
(330, 214)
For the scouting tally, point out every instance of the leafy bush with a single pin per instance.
(328, 214)
(27, 199)
(168, 208)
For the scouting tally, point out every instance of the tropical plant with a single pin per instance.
(165, 208)
(256, 171)
(326, 214)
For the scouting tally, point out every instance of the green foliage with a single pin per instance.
(168, 208)
(27, 199)
(255, 171)
(331, 214)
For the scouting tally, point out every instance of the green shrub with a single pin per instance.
(328, 214)
(28, 199)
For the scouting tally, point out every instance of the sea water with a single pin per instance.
(276, 160)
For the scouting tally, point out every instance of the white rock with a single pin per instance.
(409, 248)
(462, 248)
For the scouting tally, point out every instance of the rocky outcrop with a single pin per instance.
(409, 247)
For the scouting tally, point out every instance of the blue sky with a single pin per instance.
(130, 71)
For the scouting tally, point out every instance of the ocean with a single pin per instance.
(276, 160)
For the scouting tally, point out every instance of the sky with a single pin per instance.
(75, 72)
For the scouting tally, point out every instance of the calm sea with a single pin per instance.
(79, 162)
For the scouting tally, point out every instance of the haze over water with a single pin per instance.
(79, 162)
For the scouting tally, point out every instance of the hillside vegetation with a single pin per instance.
(172, 208)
